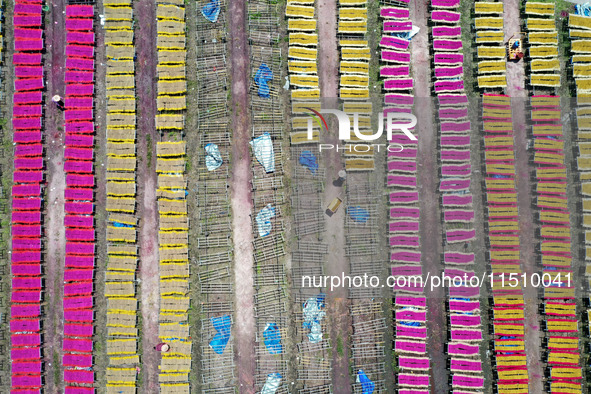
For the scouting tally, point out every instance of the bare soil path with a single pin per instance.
(56, 185)
(430, 228)
(145, 33)
(515, 89)
(241, 200)
(337, 264)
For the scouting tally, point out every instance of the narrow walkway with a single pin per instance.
(430, 225)
(148, 266)
(54, 221)
(241, 201)
(337, 263)
(519, 98)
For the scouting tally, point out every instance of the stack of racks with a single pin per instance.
(447, 46)
(542, 39)
(503, 241)
(122, 332)
(465, 325)
(314, 368)
(27, 282)
(410, 330)
(580, 34)
(354, 78)
(268, 193)
(79, 196)
(303, 50)
(173, 241)
(555, 247)
(490, 44)
(456, 200)
(172, 204)
(352, 17)
(214, 244)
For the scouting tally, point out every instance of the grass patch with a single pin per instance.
(149, 147)
(339, 345)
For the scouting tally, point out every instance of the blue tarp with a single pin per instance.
(211, 10)
(264, 220)
(358, 214)
(272, 337)
(119, 224)
(222, 325)
(263, 150)
(367, 386)
(410, 323)
(213, 157)
(308, 160)
(263, 75)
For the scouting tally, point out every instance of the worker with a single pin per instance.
(515, 44)
(58, 102)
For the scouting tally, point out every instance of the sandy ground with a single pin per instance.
(241, 201)
(430, 228)
(337, 304)
(515, 89)
(56, 184)
(146, 193)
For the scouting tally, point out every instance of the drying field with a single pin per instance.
(164, 223)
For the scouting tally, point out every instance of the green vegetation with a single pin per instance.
(340, 346)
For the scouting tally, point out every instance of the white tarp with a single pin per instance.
(271, 384)
(264, 220)
(263, 151)
(313, 315)
(213, 158)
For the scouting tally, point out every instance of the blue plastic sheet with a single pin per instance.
(211, 10)
(367, 386)
(583, 9)
(222, 325)
(308, 160)
(119, 224)
(358, 214)
(410, 323)
(213, 157)
(261, 78)
(272, 337)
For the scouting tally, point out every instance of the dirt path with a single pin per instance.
(430, 228)
(241, 200)
(328, 54)
(56, 184)
(337, 263)
(145, 12)
(515, 89)
(515, 71)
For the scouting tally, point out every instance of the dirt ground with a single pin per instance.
(146, 193)
(337, 303)
(430, 228)
(56, 184)
(241, 201)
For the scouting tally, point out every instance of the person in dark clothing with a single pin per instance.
(58, 102)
